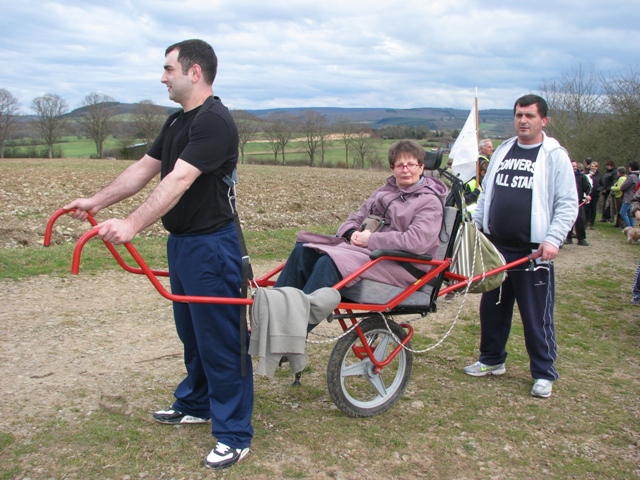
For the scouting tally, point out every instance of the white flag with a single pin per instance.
(465, 149)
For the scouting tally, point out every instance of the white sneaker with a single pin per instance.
(479, 369)
(174, 417)
(542, 388)
(223, 456)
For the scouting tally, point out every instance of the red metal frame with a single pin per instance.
(438, 266)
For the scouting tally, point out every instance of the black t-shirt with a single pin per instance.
(510, 212)
(213, 145)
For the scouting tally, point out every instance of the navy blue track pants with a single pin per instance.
(308, 270)
(534, 293)
(211, 265)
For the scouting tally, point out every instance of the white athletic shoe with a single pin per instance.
(479, 369)
(223, 456)
(542, 388)
(174, 417)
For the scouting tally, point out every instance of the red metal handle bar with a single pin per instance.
(462, 281)
(111, 247)
(57, 214)
(265, 280)
(75, 267)
(351, 277)
(438, 267)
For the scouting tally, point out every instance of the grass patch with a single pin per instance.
(19, 263)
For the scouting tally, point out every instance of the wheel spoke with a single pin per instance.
(356, 369)
(378, 384)
(380, 352)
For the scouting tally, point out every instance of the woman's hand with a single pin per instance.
(361, 239)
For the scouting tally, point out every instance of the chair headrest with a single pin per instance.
(433, 159)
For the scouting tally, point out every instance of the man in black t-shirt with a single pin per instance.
(191, 155)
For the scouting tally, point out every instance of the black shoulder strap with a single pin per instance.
(203, 108)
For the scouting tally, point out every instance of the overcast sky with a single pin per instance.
(331, 53)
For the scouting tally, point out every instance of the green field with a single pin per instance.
(255, 152)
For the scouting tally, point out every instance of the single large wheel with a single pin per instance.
(354, 386)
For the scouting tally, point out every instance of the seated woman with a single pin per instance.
(411, 209)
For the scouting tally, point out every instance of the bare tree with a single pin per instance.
(50, 122)
(8, 116)
(364, 146)
(98, 118)
(248, 127)
(148, 119)
(576, 105)
(325, 135)
(314, 128)
(346, 129)
(279, 130)
(622, 126)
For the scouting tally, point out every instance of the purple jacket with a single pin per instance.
(413, 221)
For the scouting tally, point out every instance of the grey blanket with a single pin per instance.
(279, 319)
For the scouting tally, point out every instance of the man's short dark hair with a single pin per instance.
(633, 165)
(192, 52)
(526, 100)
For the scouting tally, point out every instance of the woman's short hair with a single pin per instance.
(406, 147)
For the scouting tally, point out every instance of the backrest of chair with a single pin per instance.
(447, 231)
(450, 226)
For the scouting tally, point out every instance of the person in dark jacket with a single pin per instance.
(591, 208)
(606, 182)
(628, 189)
(583, 186)
(635, 212)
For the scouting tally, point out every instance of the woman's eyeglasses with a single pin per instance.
(408, 166)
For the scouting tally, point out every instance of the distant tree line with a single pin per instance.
(96, 120)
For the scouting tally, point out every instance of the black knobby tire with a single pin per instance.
(352, 383)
